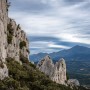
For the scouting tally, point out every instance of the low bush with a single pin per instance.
(22, 44)
(23, 59)
(1, 65)
(18, 26)
(10, 33)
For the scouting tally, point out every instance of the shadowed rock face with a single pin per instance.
(13, 40)
(56, 72)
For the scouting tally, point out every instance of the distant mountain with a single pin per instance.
(37, 57)
(76, 53)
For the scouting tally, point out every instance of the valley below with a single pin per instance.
(79, 70)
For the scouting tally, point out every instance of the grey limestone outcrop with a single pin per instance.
(73, 82)
(56, 72)
(13, 40)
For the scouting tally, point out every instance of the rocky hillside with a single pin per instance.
(28, 77)
(13, 40)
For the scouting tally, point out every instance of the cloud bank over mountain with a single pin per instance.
(53, 25)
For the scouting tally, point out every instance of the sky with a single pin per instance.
(53, 25)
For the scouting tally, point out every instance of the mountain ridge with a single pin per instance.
(74, 53)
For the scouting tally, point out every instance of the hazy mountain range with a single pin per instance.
(76, 53)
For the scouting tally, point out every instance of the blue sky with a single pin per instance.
(53, 25)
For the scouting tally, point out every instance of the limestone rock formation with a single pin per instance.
(46, 65)
(13, 40)
(3, 38)
(56, 72)
(73, 82)
(17, 41)
(59, 74)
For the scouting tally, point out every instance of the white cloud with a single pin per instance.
(58, 46)
(77, 38)
(40, 44)
(43, 44)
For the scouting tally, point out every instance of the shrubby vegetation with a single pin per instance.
(10, 33)
(22, 44)
(18, 26)
(27, 50)
(1, 65)
(27, 77)
(67, 76)
(23, 59)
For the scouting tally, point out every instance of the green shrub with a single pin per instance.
(9, 38)
(27, 50)
(10, 33)
(18, 26)
(32, 65)
(67, 75)
(1, 65)
(23, 59)
(10, 29)
(22, 44)
(8, 83)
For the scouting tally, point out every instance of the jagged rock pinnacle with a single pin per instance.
(46, 65)
(56, 72)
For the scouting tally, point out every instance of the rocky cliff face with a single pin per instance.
(3, 38)
(13, 40)
(56, 72)
(17, 41)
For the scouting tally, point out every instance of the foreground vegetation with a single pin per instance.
(27, 77)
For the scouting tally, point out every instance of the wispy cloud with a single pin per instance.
(56, 21)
